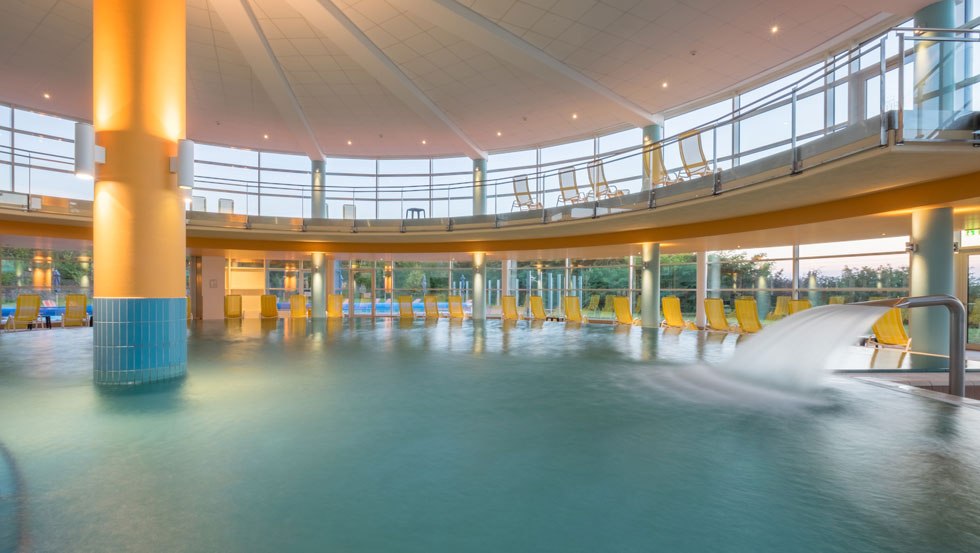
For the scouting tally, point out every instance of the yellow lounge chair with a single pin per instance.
(431, 304)
(297, 306)
(655, 167)
(692, 155)
(621, 307)
(233, 306)
(600, 186)
(405, 309)
(537, 308)
(836, 300)
(523, 199)
(714, 311)
(568, 186)
(673, 318)
(890, 330)
(795, 306)
(75, 310)
(26, 313)
(781, 309)
(509, 307)
(573, 310)
(456, 307)
(268, 307)
(747, 313)
(335, 306)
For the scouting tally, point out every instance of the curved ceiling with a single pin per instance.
(379, 77)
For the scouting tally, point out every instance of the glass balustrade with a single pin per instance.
(925, 81)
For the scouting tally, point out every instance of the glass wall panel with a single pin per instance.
(52, 274)
(624, 171)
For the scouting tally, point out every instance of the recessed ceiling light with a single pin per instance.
(664, 84)
(47, 95)
(774, 29)
(499, 133)
(574, 116)
(265, 136)
(424, 142)
(349, 142)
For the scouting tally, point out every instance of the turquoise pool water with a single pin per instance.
(381, 437)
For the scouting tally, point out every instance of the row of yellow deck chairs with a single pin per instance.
(889, 330)
(27, 313)
(268, 307)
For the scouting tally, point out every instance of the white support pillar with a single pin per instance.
(650, 287)
(318, 191)
(479, 186)
(506, 273)
(701, 288)
(479, 286)
(931, 273)
(322, 266)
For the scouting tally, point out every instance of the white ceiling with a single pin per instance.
(388, 74)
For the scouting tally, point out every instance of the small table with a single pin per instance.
(415, 213)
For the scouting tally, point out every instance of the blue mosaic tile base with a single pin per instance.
(139, 340)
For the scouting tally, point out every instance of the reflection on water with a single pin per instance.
(436, 436)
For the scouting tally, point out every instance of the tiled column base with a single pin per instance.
(139, 340)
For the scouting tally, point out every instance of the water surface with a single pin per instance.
(389, 437)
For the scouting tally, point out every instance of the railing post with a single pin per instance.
(882, 71)
(900, 132)
(796, 154)
(714, 149)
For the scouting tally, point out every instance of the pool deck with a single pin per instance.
(933, 381)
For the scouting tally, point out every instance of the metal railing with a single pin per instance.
(929, 83)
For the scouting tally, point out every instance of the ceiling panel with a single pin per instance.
(626, 47)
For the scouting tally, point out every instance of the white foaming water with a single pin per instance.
(784, 363)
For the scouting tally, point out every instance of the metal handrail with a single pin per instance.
(957, 332)
(819, 80)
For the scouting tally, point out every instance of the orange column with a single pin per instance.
(139, 93)
(139, 78)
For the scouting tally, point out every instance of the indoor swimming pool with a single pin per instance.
(382, 436)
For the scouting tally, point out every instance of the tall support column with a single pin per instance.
(139, 92)
(934, 86)
(506, 274)
(653, 170)
(479, 186)
(322, 267)
(318, 189)
(479, 286)
(650, 286)
(701, 288)
(931, 273)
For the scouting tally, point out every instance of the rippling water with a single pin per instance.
(450, 437)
